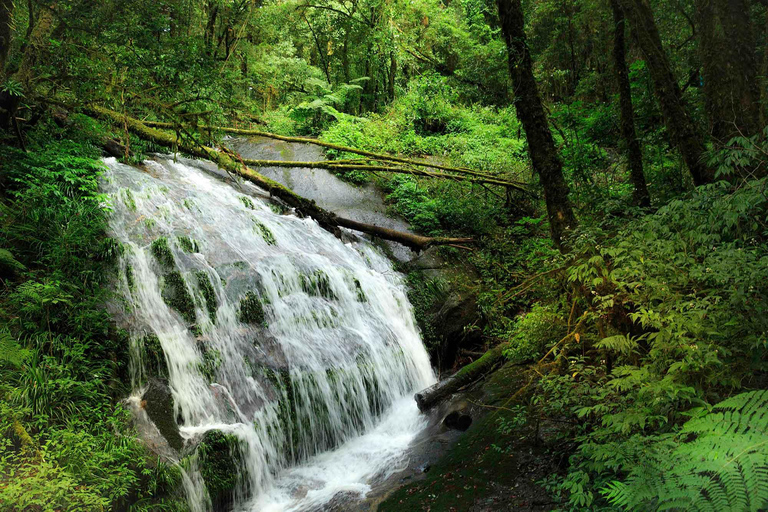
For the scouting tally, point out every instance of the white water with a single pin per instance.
(320, 397)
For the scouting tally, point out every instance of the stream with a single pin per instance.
(267, 329)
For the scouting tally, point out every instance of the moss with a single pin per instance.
(162, 253)
(247, 202)
(128, 200)
(251, 310)
(209, 295)
(150, 223)
(317, 285)
(153, 356)
(129, 277)
(359, 291)
(210, 364)
(188, 204)
(176, 295)
(220, 463)
(187, 244)
(266, 233)
(277, 208)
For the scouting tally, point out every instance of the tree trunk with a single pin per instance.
(681, 129)
(728, 53)
(392, 74)
(433, 395)
(640, 194)
(530, 111)
(6, 21)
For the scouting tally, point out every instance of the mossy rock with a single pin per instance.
(162, 253)
(251, 310)
(158, 404)
(130, 277)
(208, 293)
(9, 266)
(153, 356)
(176, 295)
(359, 291)
(317, 284)
(220, 466)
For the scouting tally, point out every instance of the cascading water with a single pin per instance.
(268, 330)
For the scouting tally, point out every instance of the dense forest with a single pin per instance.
(591, 174)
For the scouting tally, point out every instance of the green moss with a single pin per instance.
(277, 208)
(128, 200)
(247, 202)
(162, 253)
(150, 223)
(359, 291)
(187, 244)
(209, 295)
(317, 285)
(266, 233)
(176, 295)
(210, 364)
(251, 309)
(188, 204)
(129, 277)
(153, 356)
(220, 463)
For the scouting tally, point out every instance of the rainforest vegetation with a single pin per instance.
(596, 167)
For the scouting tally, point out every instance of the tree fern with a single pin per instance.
(720, 463)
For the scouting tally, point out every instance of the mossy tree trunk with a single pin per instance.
(530, 111)
(640, 194)
(728, 53)
(681, 128)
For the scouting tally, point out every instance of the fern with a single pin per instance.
(720, 463)
(10, 351)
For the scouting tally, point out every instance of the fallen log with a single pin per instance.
(433, 395)
(346, 149)
(304, 206)
(361, 165)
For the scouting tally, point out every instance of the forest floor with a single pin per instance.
(494, 465)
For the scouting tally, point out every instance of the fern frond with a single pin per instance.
(720, 465)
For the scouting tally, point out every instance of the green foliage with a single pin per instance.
(718, 461)
(220, 463)
(67, 443)
(426, 295)
(537, 329)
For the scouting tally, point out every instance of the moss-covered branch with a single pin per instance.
(382, 157)
(428, 398)
(233, 163)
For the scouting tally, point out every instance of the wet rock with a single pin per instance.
(157, 401)
(457, 421)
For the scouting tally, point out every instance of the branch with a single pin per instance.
(376, 156)
(362, 165)
(231, 163)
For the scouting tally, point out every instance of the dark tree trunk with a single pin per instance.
(392, 75)
(640, 194)
(6, 21)
(530, 111)
(728, 53)
(681, 129)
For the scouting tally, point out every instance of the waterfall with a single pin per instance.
(266, 330)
